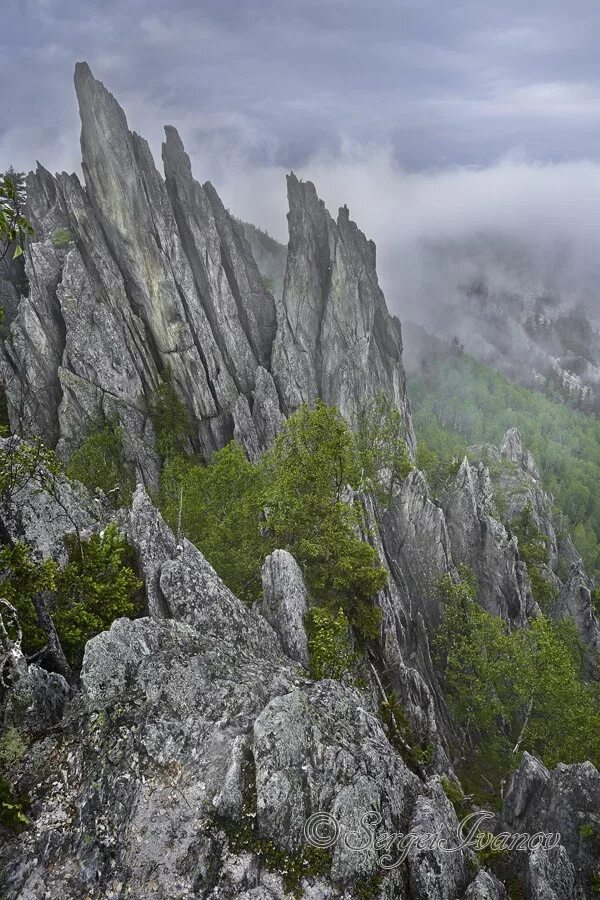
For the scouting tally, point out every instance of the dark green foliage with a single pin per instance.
(596, 601)
(533, 543)
(12, 808)
(401, 735)
(368, 888)
(268, 283)
(97, 586)
(4, 419)
(100, 465)
(296, 498)
(12, 804)
(459, 402)
(380, 437)
(543, 590)
(442, 464)
(308, 513)
(490, 850)
(219, 508)
(14, 227)
(170, 418)
(513, 690)
(453, 790)
(26, 464)
(329, 645)
(534, 551)
(23, 578)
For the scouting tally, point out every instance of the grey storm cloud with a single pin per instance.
(278, 81)
(433, 120)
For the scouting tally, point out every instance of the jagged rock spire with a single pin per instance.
(335, 337)
(151, 274)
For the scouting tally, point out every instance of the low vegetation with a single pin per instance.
(83, 598)
(458, 402)
(100, 465)
(512, 691)
(299, 497)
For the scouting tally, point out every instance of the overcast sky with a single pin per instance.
(403, 108)
(441, 82)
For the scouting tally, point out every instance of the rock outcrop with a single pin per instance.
(284, 604)
(43, 507)
(133, 276)
(335, 337)
(195, 746)
(565, 802)
(481, 542)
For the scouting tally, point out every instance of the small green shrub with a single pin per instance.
(99, 464)
(12, 808)
(12, 748)
(380, 438)
(22, 578)
(490, 849)
(268, 283)
(329, 648)
(97, 586)
(24, 463)
(401, 735)
(455, 794)
(61, 238)
(170, 418)
(368, 887)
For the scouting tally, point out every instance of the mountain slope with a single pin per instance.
(186, 755)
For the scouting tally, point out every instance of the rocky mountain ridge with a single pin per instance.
(133, 275)
(195, 748)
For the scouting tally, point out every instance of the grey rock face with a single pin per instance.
(486, 887)
(551, 876)
(434, 873)
(42, 517)
(131, 201)
(238, 307)
(284, 603)
(481, 542)
(184, 721)
(416, 538)
(32, 350)
(31, 699)
(512, 449)
(564, 801)
(404, 645)
(155, 544)
(575, 601)
(514, 487)
(156, 276)
(335, 338)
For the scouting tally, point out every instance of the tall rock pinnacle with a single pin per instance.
(156, 275)
(335, 339)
